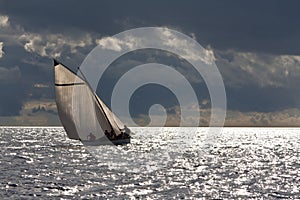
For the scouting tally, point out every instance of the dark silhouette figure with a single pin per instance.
(126, 130)
(112, 134)
(107, 134)
(91, 137)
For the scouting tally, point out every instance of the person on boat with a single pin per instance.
(91, 137)
(126, 130)
(112, 134)
(107, 134)
(120, 136)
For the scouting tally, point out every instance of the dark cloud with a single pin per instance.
(150, 94)
(142, 100)
(254, 44)
(267, 99)
(9, 75)
(266, 26)
(11, 100)
(11, 91)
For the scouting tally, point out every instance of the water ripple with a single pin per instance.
(242, 163)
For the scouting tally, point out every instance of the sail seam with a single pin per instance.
(69, 84)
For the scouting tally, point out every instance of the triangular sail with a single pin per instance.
(115, 121)
(81, 111)
(64, 85)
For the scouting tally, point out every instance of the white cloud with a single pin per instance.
(241, 68)
(110, 43)
(115, 44)
(1, 50)
(4, 21)
(163, 39)
(9, 33)
(187, 48)
(53, 45)
(46, 44)
(40, 85)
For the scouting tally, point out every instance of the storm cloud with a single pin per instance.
(256, 45)
(11, 91)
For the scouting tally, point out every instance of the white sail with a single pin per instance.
(64, 84)
(115, 121)
(81, 111)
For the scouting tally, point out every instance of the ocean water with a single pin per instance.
(160, 163)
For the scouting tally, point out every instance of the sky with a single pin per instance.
(256, 45)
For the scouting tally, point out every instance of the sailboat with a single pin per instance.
(83, 114)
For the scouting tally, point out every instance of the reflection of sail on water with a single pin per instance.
(81, 111)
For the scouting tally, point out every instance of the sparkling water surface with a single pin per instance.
(160, 163)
